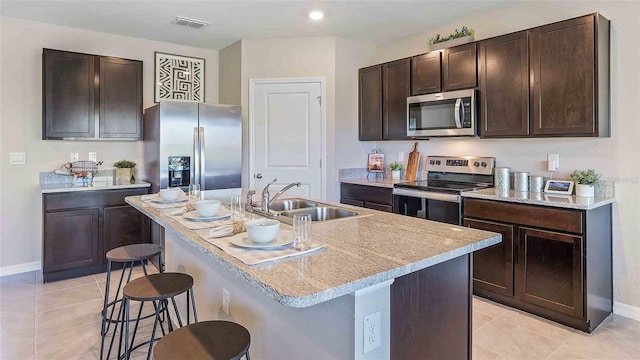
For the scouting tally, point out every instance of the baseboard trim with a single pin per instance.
(631, 312)
(20, 268)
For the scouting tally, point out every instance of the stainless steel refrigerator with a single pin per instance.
(193, 143)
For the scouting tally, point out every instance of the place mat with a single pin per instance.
(148, 200)
(194, 225)
(257, 256)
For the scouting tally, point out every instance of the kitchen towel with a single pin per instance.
(257, 256)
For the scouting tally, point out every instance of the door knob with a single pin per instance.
(258, 176)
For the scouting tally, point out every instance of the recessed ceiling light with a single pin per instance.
(316, 15)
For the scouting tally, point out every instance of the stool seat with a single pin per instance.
(204, 340)
(157, 286)
(135, 252)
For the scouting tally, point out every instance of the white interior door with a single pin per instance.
(286, 124)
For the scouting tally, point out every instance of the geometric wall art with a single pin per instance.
(179, 78)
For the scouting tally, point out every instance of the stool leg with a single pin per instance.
(193, 305)
(247, 355)
(175, 308)
(103, 332)
(135, 328)
(153, 331)
(127, 351)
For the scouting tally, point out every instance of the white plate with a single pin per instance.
(282, 239)
(194, 216)
(160, 200)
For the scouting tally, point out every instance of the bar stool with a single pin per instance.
(205, 340)
(128, 255)
(159, 289)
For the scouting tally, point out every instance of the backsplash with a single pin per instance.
(53, 178)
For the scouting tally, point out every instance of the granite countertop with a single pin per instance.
(360, 252)
(530, 198)
(372, 181)
(96, 185)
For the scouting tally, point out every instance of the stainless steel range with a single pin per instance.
(438, 197)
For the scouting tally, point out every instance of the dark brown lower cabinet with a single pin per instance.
(81, 227)
(542, 265)
(71, 239)
(370, 197)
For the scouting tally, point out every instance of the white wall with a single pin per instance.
(349, 153)
(616, 157)
(230, 68)
(21, 44)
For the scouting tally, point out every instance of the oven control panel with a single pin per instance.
(461, 164)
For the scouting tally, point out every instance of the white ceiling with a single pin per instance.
(373, 22)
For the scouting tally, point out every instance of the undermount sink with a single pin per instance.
(291, 204)
(321, 213)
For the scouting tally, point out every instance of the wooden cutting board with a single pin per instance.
(412, 164)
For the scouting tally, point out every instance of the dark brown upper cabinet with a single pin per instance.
(396, 87)
(90, 97)
(569, 72)
(459, 67)
(503, 77)
(370, 103)
(426, 75)
(120, 98)
(68, 93)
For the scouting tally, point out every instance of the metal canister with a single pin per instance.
(521, 181)
(536, 183)
(501, 178)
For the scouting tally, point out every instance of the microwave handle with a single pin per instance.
(457, 113)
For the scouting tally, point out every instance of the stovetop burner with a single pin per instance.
(441, 186)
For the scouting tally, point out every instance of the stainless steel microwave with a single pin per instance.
(450, 113)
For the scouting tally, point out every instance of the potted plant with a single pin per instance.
(458, 37)
(584, 182)
(124, 170)
(395, 168)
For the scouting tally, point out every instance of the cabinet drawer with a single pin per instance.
(78, 199)
(367, 193)
(380, 207)
(548, 218)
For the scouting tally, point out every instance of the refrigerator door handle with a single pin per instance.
(195, 166)
(202, 160)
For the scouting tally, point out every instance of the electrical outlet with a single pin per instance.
(225, 300)
(371, 332)
(553, 162)
(74, 157)
(93, 156)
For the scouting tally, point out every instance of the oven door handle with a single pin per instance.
(454, 198)
(457, 113)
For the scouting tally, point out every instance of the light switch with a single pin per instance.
(17, 158)
(93, 156)
(74, 157)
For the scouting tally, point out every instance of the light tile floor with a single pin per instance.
(61, 320)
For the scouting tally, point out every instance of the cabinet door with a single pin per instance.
(396, 87)
(549, 270)
(459, 69)
(504, 86)
(68, 95)
(124, 225)
(493, 266)
(562, 78)
(426, 73)
(120, 98)
(71, 239)
(370, 103)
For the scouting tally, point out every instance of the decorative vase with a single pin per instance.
(584, 190)
(123, 175)
(395, 174)
(451, 43)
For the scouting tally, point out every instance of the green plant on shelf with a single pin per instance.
(395, 166)
(586, 177)
(124, 164)
(465, 31)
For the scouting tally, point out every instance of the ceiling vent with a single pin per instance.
(194, 23)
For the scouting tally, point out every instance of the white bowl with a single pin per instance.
(170, 194)
(207, 208)
(262, 230)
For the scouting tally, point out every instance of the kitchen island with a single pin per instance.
(409, 278)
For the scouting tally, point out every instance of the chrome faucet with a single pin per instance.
(267, 201)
